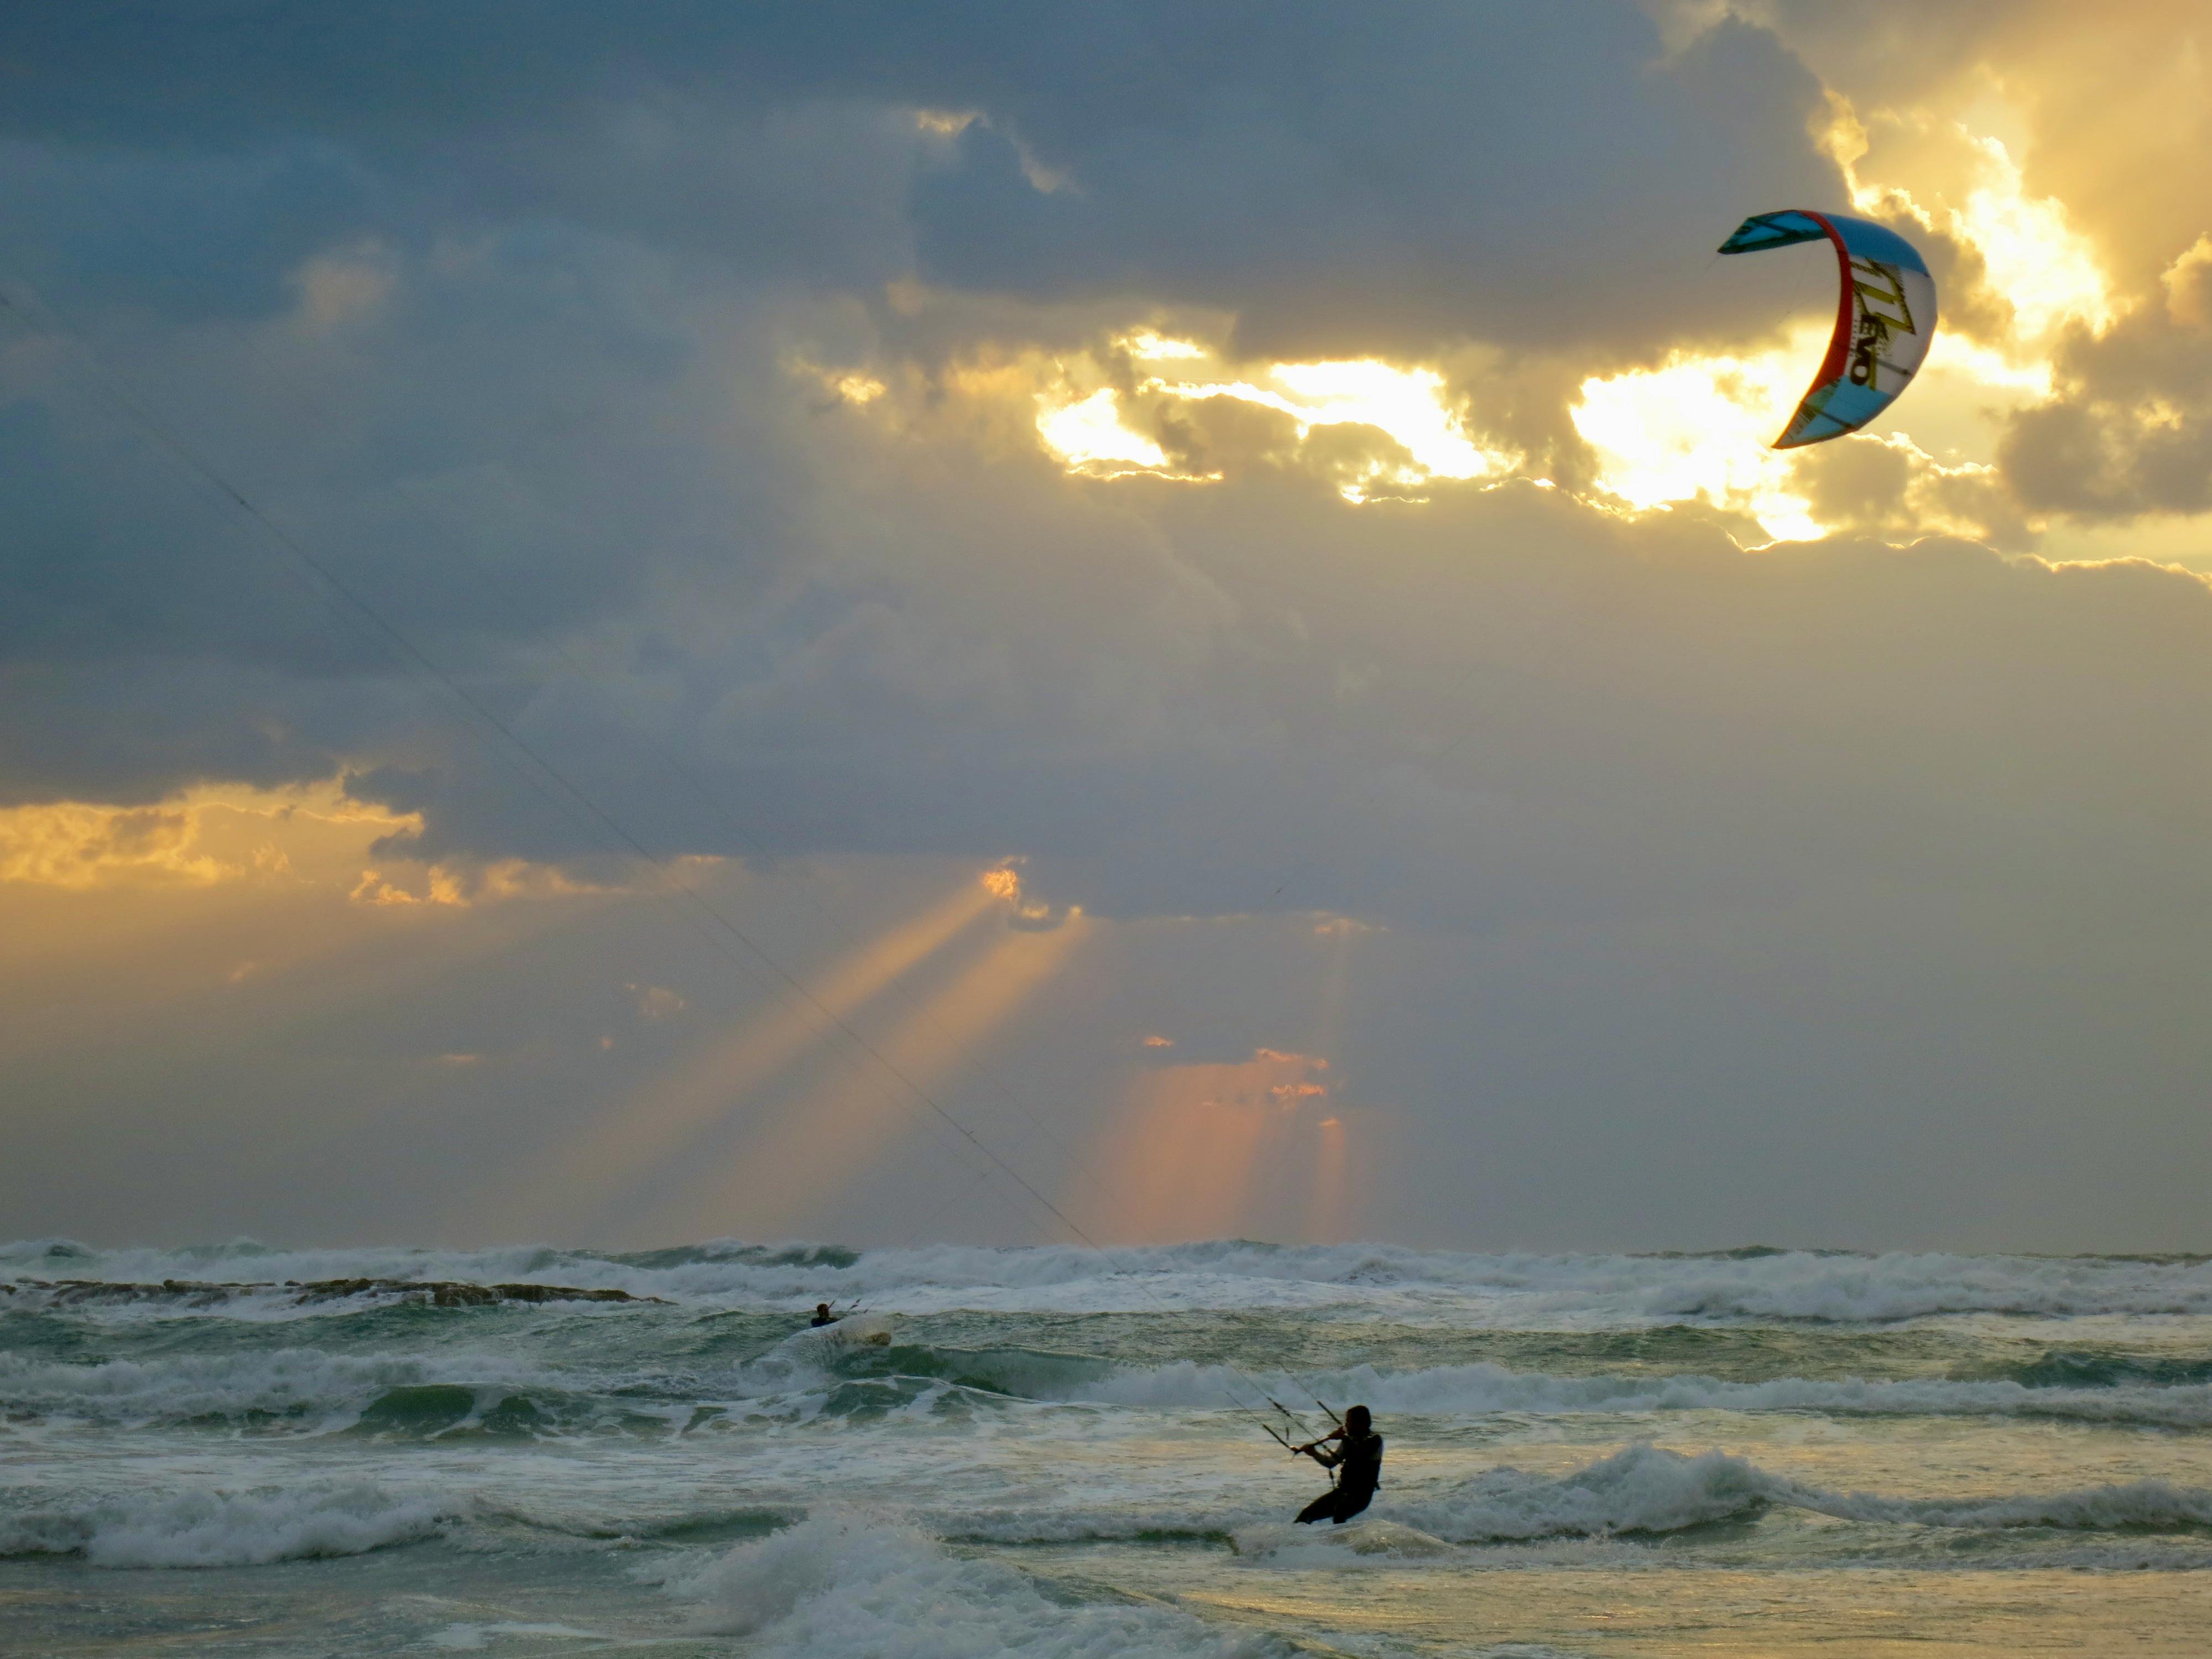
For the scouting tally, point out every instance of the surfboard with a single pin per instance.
(855, 1330)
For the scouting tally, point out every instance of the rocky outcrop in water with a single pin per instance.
(195, 1293)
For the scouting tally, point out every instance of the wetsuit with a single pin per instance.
(820, 1320)
(1358, 1464)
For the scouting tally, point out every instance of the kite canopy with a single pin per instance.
(1884, 318)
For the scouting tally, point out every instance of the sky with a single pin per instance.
(1132, 621)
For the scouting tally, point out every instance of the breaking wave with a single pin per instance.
(226, 1529)
(1646, 1489)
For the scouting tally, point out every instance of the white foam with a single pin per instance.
(834, 1587)
(1643, 1489)
(225, 1529)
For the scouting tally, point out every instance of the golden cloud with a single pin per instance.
(204, 836)
(308, 836)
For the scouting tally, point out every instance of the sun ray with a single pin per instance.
(609, 1155)
(780, 1171)
(1327, 1217)
(1193, 1144)
(1326, 1153)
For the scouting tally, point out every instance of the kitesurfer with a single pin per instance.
(1359, 1465)
(822, 1316)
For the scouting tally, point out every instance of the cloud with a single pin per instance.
(658, 1001)
(201, 838)
(76, 844)
(2129, 431)
(1324, 176)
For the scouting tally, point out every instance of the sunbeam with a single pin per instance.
(825, 1141)
(1194, 1148)
(606, 1158)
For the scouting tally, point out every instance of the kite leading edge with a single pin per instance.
(1884, 318)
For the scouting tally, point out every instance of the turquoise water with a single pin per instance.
(1050, 1450)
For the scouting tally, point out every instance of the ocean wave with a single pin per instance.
(838, 1586)
(1643, 1489)
(226, 1529)
(1774, 1286)
(446, 1395)
(1482, 1389)
(1646, 1489)
(2085, 1368)
(304, 1390)
(281, 1383)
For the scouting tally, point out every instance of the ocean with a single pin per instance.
(1059, 1451)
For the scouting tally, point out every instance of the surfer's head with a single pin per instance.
(1357, 1419)
(821, 1307)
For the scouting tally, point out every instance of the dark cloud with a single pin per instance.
(2129, 430)
(1397, 179)
(1494, 173)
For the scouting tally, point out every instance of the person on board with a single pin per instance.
(823, 1315)
(1359, 1465)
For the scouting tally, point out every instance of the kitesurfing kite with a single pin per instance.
(1884, 318)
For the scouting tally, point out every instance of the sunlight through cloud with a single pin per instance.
(1699, 427)
(2036, 259)
(1092, 432)
(1089, 436)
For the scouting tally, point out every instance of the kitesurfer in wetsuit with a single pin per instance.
(1359, 1465)
(823, 1315)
